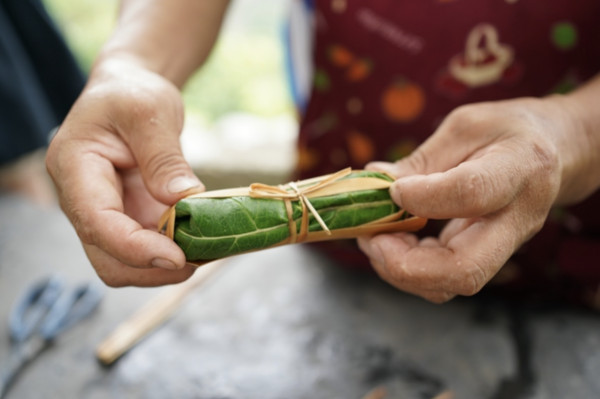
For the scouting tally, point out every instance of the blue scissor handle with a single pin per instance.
(47, 305)
(71, 307)
(33, 306)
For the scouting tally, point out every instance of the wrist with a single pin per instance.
(117, 69)
(169, 38)
(578, 143)
(115, 56)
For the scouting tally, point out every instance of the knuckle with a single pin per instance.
(541, 190)
(470, 286)
(474, 191)
(546, 156)
(463, 117)
(417, 161)
(472, 281)
(546, 165)
(162, 163)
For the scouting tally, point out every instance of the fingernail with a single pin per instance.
(181, 184)
(164, 264)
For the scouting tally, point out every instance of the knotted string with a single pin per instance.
(301, 191)
(260, 190)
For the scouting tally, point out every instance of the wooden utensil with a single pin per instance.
(151, 315)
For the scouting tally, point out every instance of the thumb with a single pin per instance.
(148, 111)
(435, 180)
(149, 114)
(166, 173)
(437, 154)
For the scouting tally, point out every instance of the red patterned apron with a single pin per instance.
(386, 72)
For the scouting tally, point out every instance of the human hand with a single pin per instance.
(494, 170)
(116, 162)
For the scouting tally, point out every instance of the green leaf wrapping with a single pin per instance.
(212, 228)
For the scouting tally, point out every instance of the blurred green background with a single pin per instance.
(244, 74)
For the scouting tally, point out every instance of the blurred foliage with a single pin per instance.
(86, 25)
(245, 72)
(242, 74)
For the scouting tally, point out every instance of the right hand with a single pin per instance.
(117, 164)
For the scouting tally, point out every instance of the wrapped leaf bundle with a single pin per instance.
(346, 204)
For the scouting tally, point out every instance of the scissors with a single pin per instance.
(44, 311)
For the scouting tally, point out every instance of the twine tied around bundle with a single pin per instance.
(292, 192)
(304, 191)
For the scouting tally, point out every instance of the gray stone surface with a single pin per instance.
(286, 323)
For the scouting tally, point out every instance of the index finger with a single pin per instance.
(473, 188)
(91, 198)
(434, 269)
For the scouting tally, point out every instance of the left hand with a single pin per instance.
(494, 170)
